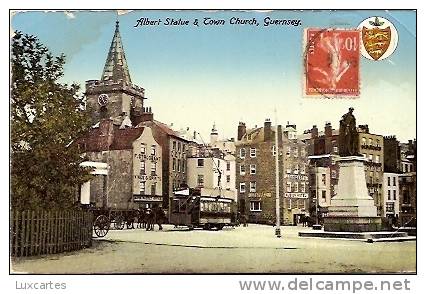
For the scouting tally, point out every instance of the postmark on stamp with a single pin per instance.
(331, 63)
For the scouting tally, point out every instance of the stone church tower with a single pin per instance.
(114, 96)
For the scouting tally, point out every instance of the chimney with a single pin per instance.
(106, 129)
(328, 130)
(314, 131)
(241, 130)
(267, 130)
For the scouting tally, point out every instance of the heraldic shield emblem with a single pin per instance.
(379, 38)
(376, 41)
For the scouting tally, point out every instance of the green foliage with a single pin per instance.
(46, 116)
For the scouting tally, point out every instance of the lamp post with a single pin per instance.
(277, 183)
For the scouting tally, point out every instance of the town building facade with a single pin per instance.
(256, 182)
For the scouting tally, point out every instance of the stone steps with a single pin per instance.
(354, 235)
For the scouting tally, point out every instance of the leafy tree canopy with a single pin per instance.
(46, 116)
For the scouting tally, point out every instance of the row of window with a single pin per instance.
(394, 181)
(200, 180)
(200, 163)
(370, 141)
(179, 165)
(252, 169)
(144, 149)
(243, 152)
(390, 196)
(256, 205)
(294, 187)
(371, 157)
(142, 188)
(252, 187)
(143, 168)
(179, 146)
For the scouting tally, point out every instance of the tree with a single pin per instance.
(46, 116)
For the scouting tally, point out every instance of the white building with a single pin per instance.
(391, 194)
(214, 176)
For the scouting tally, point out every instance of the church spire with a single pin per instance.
(116, 68)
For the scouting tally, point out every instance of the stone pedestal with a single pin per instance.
(352, 209)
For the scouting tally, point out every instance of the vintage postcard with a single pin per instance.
(213, 142)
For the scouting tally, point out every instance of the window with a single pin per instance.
(153, 186)
(252, 152)
(200, 162)
(174, 164)
(289, 168)
(178, 165)
(143, 148)
(378, 158)
(394, 194)
(323, 179)
(183, 166)
(200, 180)
(296, 169)
(228, 166)
(303, 187)
(242, 170)
(394, 181)
(378, 143)
(252, 169)
(390, 207)
(389, 195)
(242, 187)
(370, 141)
(389, 181)
(274, 150)
(295, 152)
(252, 186)
(364, 141)
(288, 186)
(302, 169)
(153, 150)
(142, 187)
(302, 152)
(142, 169)
(323, 194)
(242, 153)
(174, 145)
(288, 152)
(153, 169)
(178, 146)
(295, 187)
(228, 178)
(370, 157)
(255, 206)
(336, 149)
(333, 174)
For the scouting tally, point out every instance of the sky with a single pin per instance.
(196, 76)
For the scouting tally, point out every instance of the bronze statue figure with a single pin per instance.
(348, 135)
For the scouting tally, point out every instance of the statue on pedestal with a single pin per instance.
(348, 135)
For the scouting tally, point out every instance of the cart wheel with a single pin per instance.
(119, 222)
(207, 227)
(101, 226)
(190, 227)
(219, 227)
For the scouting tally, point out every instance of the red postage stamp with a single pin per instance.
(332, 63)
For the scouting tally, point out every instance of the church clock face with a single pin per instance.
(103, 99)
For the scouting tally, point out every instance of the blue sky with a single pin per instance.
(194, 76)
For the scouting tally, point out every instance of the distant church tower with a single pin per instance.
(214, 135)
(114, 96)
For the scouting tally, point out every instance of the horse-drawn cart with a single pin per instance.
(104, 219)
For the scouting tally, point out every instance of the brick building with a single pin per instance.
(255, 174)
(133, 158)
